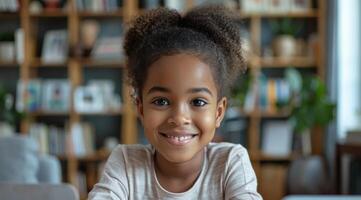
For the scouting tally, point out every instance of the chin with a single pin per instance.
(177, 157)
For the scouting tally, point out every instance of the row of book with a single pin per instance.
(9, 5)
(269, 94)
(13, 49)
(98, 6)
(54, 95)
(273, 93)
(79, 140)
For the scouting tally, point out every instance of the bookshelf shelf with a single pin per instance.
(273, 114)
(38, 63)
(102, 63)
(309, 14)
(9, 64)
(96, 157)
(50, 14)
(270, 158)
(47, 113)
(111, 14)
(105, 113)
(6, 15)
(276, 62)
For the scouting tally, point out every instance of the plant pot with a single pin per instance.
(285, 46)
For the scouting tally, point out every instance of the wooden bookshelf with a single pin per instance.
(75, 66)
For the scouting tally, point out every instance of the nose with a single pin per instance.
(180, 116)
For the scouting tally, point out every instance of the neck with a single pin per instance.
(178, 177)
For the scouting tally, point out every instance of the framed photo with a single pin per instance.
(55, 46)
(300, 5)
(277, 138)
(56, 95)
(28, 95)
(88, 100)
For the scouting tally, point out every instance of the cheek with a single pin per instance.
(152, 119)
(207, 121)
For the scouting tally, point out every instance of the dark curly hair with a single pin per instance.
(208, 32)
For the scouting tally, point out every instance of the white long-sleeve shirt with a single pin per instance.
(129, 174)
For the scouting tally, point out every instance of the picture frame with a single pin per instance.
(28, 95)
(277, 138)
(56, 95)
(88, 100)
(55, 46)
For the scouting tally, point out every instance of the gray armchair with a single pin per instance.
(20, 162)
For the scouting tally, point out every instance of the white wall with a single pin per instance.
(349, 66)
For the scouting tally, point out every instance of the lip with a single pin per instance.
(178, 138)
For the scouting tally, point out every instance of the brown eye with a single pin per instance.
(199, 102)
(161, 102)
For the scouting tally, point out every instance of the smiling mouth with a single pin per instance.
(178, 140)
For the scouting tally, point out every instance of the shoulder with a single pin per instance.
(226, 155)
(130, 153)
(224, 149)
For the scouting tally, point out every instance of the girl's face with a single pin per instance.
(179, 108)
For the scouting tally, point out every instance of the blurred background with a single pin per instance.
(297, 109)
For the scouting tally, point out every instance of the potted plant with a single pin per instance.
(285, 43)
(310, 106)
(9, 116)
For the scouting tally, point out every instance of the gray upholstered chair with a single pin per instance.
(20, 162)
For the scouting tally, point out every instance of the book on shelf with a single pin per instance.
(277, 138)
(78, 141)
(274, 6)
(51, 139)
(273, 92)
(19, 45)
(81, 182)
(55, 46)
(9, 5)
(98, 6)
(82, 139)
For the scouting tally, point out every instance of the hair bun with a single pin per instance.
(146, 24)
(218, 24)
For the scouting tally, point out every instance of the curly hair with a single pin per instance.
(208, 32)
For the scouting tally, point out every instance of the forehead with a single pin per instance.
(180, 72)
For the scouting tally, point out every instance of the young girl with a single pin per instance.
(181, 68)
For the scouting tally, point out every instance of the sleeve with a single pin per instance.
(113, 182)
(241, 181)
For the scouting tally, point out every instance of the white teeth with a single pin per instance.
(180, 138)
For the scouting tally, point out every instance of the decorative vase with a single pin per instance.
(285, 46)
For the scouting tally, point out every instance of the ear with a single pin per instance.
(139, 105)
(221, 110)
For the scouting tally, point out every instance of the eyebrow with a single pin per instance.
(192, 90)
